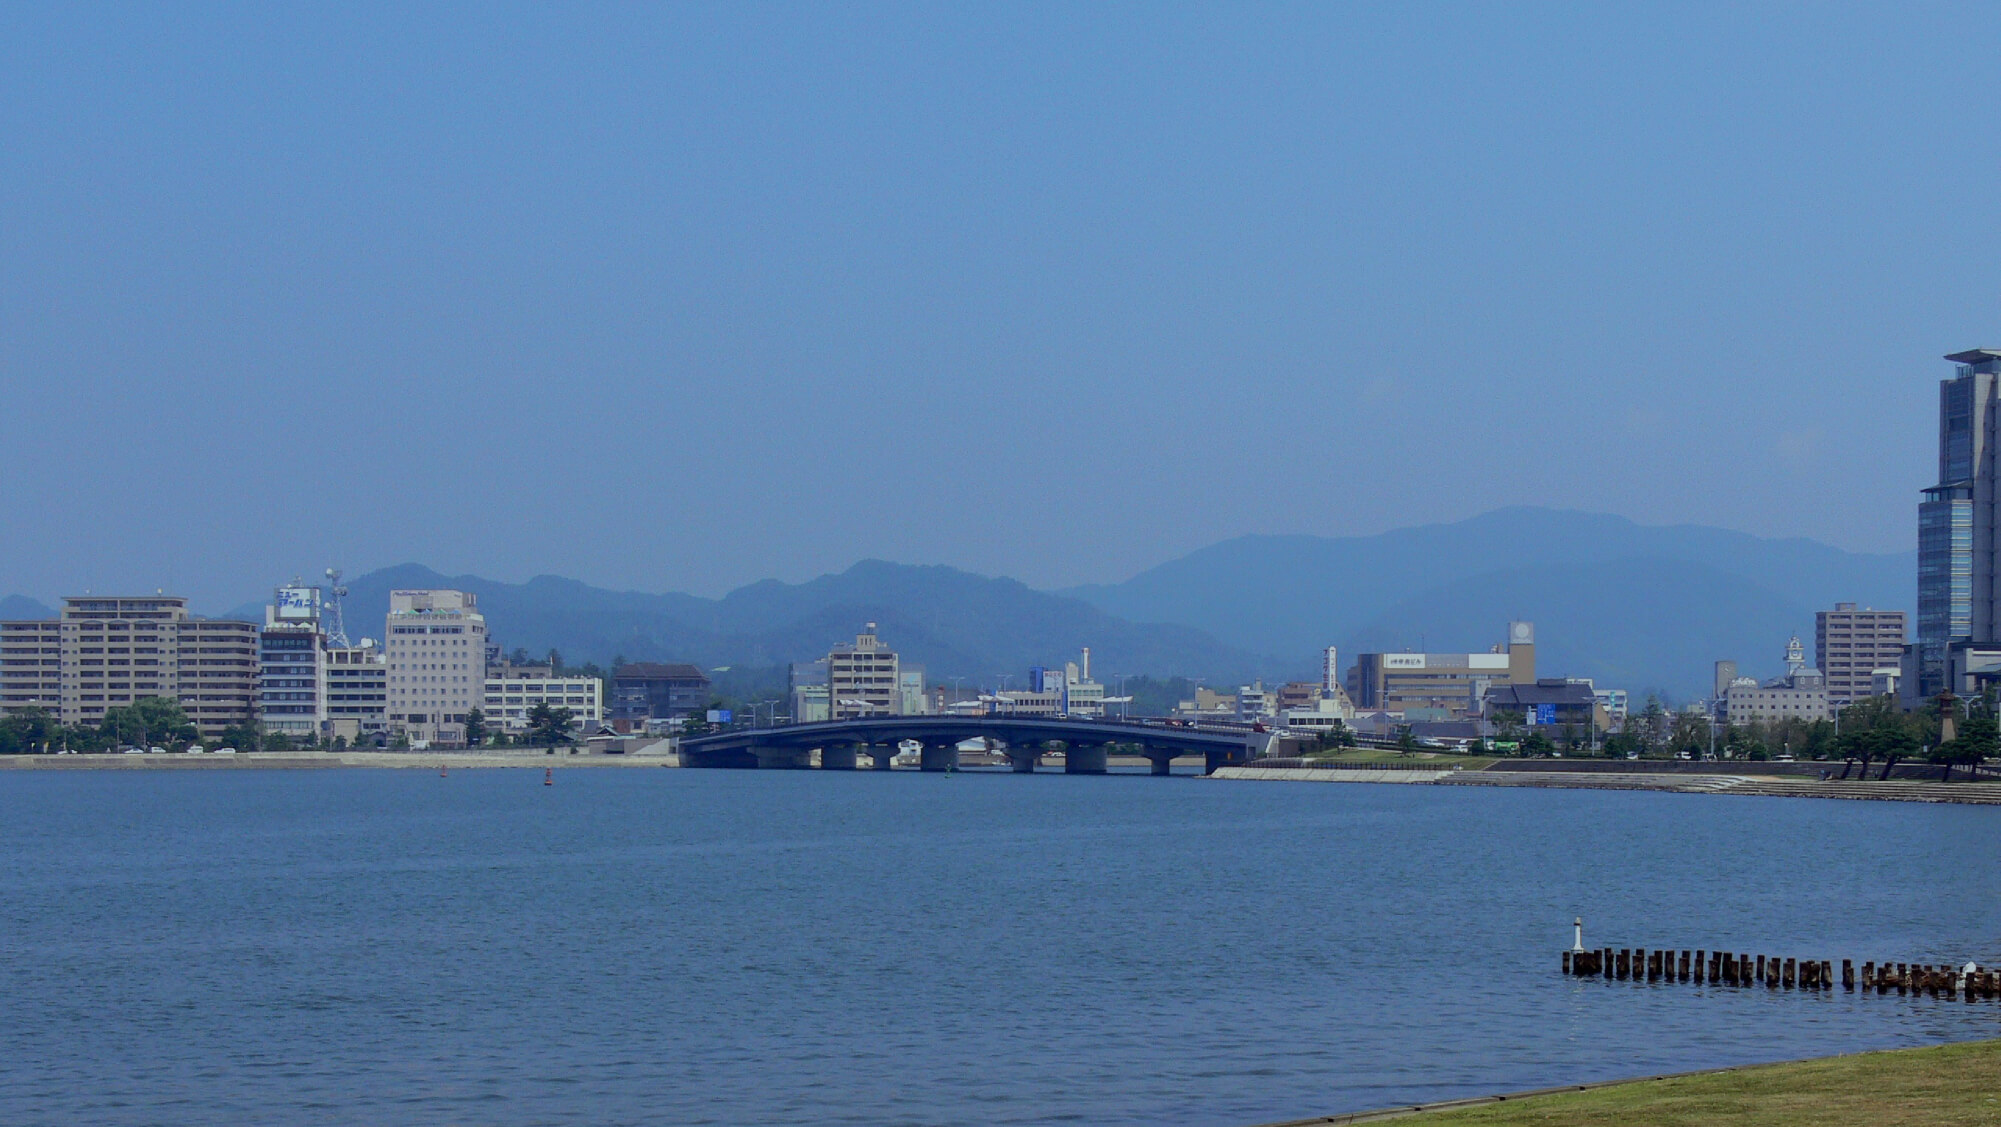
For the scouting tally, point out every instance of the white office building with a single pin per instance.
(513, 691)
(435, 645)
(357, 693)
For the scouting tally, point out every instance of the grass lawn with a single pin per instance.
(1946, 1084)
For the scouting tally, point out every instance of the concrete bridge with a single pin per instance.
(842, 743)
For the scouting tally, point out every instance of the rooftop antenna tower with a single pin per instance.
(336, 626)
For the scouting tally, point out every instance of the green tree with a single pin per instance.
(1975, 743)
(1689, 733)
(1337, 735)
(29, 731)
(547, 725)
(475, 728)
(166, 722)
(242, 737)
(1406, 742)
(1537, 745)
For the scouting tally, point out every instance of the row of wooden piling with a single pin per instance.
(1731, 969)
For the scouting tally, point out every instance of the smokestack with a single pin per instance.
(1087, 663)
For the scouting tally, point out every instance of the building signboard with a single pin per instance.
(296, 604)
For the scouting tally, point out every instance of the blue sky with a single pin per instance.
(680, 297)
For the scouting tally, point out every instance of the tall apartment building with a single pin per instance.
(1851, 645)
(31, 665)
(435, 646)
(112, 651)
(862, 678)
(1956, 520)
(1449, 683)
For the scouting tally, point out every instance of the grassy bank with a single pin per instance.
(1364, 757)
(1946, 1084)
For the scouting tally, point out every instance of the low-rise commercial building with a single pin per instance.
(1453, 683)
(1552, 702)
(649, 690)
(1799, 695)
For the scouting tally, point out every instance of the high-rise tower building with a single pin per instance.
(1956, 519)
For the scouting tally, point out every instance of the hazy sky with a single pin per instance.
(680, 297)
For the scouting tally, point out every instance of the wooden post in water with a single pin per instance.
(1848, 975)
(1701, 964)
(1607, 963)
(1684, 966)
(1791, 973)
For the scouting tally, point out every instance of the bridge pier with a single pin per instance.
(939, 757)
(837, 757)
(1233, 757)
(781, 758)
(739, 760)
(1084, 759)
(1162, 760)
(1024, 756)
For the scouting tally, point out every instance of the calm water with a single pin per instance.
(743, 948)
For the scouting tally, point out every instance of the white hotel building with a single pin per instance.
(434, 643)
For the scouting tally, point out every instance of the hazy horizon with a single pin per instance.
(676, 299)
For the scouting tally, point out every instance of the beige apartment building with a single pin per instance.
(108, 651)
(1850, 645)
(862, 679)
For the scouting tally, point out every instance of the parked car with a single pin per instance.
(225, 751)
(193, 749)
(156, 751)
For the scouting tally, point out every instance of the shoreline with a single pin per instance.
(1968, 792)
(1547, 1104)
(327, 760)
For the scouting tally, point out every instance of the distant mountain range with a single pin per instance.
(1636, 606)
(954, 623)
(1639, 607)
